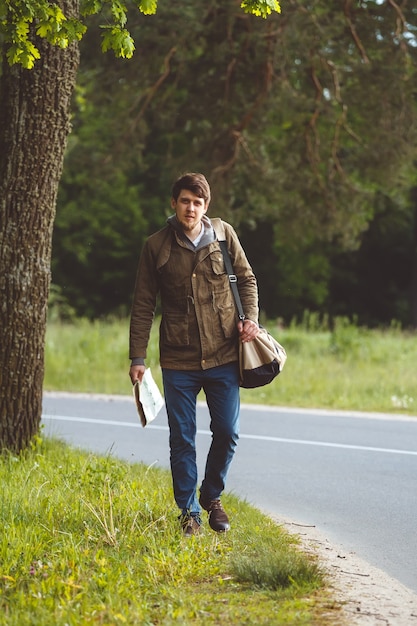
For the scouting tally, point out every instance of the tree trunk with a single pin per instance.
(34, 124)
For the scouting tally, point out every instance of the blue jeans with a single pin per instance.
(221, 386)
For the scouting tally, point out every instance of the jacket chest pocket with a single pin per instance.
(214, 273)
(217, 264)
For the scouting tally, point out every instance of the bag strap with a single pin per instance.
(228, 266)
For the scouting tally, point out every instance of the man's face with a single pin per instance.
(189, 210)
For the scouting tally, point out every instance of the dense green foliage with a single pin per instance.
(93, 540)
(62, 23)
(305, 125)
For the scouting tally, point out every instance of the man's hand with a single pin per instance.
(136, 372)
(248, 330)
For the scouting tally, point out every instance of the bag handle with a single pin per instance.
(229, 269)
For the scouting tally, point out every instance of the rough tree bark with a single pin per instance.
(34, 124)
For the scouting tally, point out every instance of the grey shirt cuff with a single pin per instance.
(138, 360)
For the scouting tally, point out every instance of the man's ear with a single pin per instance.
(173, 203)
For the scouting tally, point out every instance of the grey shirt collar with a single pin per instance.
(207, 237)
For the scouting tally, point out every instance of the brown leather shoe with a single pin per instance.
(218, 519)
(190, 526)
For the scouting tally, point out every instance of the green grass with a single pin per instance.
(344, 368)
(93, 540)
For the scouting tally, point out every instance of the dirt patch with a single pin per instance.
(367, 596)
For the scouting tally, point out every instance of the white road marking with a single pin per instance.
(303, 442)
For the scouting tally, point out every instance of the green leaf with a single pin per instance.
(119, 40)
(75, 30)
(43, 29)
(57, 15)
(148, 7)
(22, 29)
(13, 54)
(261, 8)
(90, 7)
(118, 10)
(24, 53)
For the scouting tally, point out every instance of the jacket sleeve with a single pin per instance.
(144, 303)
(246, 280)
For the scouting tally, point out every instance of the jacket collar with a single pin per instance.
(208, 237)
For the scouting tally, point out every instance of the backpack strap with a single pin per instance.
(218, 226)
(221, 236)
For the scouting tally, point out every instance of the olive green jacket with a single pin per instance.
(198, 327)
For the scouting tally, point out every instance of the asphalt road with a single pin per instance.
(353, 476)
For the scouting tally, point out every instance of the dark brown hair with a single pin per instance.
(194, 182)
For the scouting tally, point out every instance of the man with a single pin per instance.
(198, 341)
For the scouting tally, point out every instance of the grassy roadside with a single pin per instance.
(93, 540)
(343, 368)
